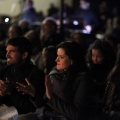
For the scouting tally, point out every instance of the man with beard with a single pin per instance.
(21, 83)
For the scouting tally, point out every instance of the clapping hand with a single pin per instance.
(48, 86)
(26, 88)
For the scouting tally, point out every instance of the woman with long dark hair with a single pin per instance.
(67, 86)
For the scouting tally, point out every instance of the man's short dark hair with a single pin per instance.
(23, 44)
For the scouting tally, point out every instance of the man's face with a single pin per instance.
(13, 55)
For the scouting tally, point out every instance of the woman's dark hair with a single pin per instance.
(74, 52)
(22, 44)
(105, 48)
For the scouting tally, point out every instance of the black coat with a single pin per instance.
(70, 94)
(23, 103)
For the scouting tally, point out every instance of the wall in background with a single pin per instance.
(14, 7)
(9, 7)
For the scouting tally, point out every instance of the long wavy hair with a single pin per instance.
(105, 48)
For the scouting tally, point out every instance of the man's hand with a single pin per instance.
(26, 89)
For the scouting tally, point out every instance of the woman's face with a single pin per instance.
(62, 60)
(97, 56)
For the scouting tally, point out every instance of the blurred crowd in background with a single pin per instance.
(84, 24)
(95, 27)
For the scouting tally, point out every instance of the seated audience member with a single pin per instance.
(49, 55)
(80, 39)
(14, 30)
(66, 86)
(112, 95)
(16, 78)
(34, 38)
(49, 33)
(45, 60)
(100, 60)
(24, 25)
(36, 53)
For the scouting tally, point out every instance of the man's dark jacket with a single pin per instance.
(23, 102)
